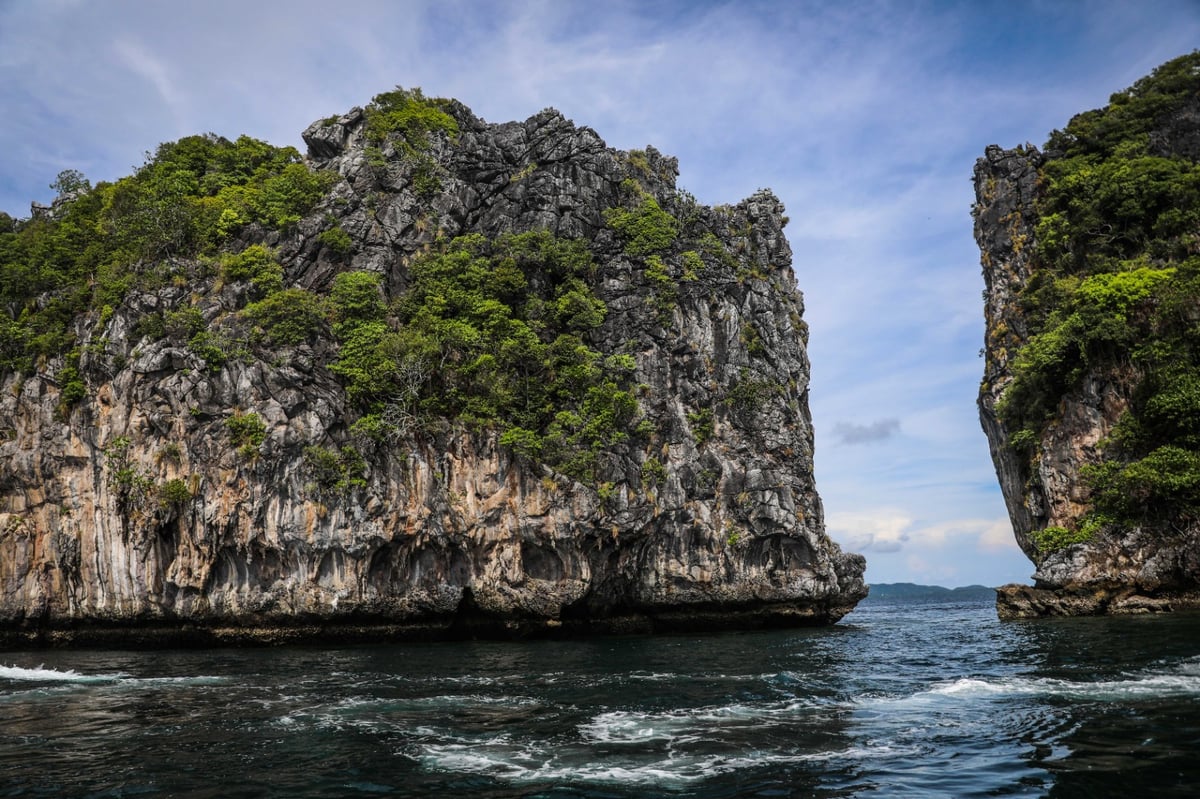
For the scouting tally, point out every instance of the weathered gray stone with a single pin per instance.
(1121, 571)
(451, 534)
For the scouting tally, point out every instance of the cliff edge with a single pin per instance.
(438, 377)
(1091, 392)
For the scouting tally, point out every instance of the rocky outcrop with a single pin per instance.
(1005, 189)
(137, 515)
(1102, 566)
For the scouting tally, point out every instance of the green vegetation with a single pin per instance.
(288, 317)
(487, 334)
(213, 347)
(649, 233)
(70, 383)
(1090, 327)
(127, 482)
(752, 340)
(491, 334)
(1115, 294)
(181, 324)
(189, 199)
(1161, 486)
(702, 425)
(255, 264)
(1052, 539)
(410, 114)
(408, 118)
(665, 292)
(247, 432)
(334, 471)
(748, 394)
(644, 225)
(654, 473)
(337, 240)
(174, 493)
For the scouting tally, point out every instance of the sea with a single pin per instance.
(900, 699)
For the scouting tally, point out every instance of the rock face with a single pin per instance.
(705, 517)
(1103, 566)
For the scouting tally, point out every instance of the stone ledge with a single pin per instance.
(1016, 602)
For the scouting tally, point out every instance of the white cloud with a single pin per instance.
(998, 537)
(154, 70)
(874, 530)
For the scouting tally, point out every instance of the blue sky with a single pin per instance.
(864, 117)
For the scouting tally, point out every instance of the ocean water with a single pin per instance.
(899, 700)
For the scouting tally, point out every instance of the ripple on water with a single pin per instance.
(921, 701)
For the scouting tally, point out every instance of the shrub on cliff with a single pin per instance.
(410, 114)
(288, 317)
(645, 227)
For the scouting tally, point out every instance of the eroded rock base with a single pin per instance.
(1014, 602)
(468, 626)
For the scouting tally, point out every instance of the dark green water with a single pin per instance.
(913, 700)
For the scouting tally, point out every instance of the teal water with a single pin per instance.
(929, 700)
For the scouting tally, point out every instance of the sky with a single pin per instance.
(865, 118)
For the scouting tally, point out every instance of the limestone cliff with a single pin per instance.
(205, 459)
(1089, 259)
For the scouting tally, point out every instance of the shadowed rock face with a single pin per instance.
(1122, 569)
(451, 533)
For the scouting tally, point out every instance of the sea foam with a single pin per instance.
(41, 674)
(1185, 682)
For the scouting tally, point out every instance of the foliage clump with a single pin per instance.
(288, 317)
(1052, 539)
(491, 334)
(408, 119)
(174, 493)
(191, 197)
(256, 265)
(645, 227)
(409, 113)
(334, 471)
(247, 431)
(128, 483)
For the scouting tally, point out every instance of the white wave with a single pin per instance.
(968, 687)
(118, 679)
(625, 726)
(1191, 666)
(476, 699)
(550, 763)
(41, 674)
(659, 676)
(1186, 682)
(187, 682)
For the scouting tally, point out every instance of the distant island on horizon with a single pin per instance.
(911, 592)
